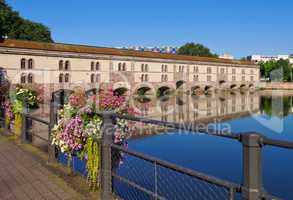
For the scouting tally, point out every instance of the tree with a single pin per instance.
(280, 70)
(192, 49)
(15, 27)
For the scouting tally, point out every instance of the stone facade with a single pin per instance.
(67, 66)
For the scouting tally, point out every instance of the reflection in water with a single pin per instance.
(187, 108)
(221, 157)
(279, 106)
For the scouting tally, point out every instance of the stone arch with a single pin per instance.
(163, 91)
(251, 85)
(179, 84)
(208, 88)
(196, 90)
(120, 91)
(143, 90)
(92, 92)
(242, 86)
(233, 86)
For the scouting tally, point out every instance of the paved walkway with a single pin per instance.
(22, 177)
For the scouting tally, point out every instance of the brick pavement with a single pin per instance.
(22, 177)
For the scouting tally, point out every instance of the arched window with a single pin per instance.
(146, 67)
(119, 67)
(67, 78)
(92, 66)
(97, 66)
(61, 65)
(124, 67)
(142, 67)
(146, 77)
(142, 77)
(61, 78)
(23, 63)
(92, 78)
(67, 65)
(30, 78)
(23, 78)
(98, 78)
(30, 64)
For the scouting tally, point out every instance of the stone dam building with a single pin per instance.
(67, 66)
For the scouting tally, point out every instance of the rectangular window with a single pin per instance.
(209, 70)
(209, 78)
(233, 71)
(195, 69)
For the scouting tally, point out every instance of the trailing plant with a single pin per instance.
(78, 131)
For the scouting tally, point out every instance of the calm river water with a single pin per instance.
(268, 113)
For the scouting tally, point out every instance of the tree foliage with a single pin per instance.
(15, 27)
(192, 49)
(280, 70)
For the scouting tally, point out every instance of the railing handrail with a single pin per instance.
(183, 170)
(37, 119)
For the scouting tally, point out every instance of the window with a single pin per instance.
(23, 63)
(142, 67)
(124, 67)
(61, 65)
(30, 78)
(30, 64)
(195, 69)
(23, 78)
(209, 78)
(181, 68)
(92, 78)
(233, 78)
(146, 67)
(164, 68)
(222, 71)
(243, 71)
(120, 67)
(195, 78)
(92, 66)
(97, 66)
(144, 77)
(67, 65)
(164, 77)
(61, 78)
(66, 78)
(233, 71)
(209, 70)
(98, 78)
(251, 78)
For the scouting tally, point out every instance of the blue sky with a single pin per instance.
(238, 27)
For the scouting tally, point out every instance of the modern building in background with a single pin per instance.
(227, 56)
(164, 49)
(264, 58)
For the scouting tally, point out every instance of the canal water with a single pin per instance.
(269, 113)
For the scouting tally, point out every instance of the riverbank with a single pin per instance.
(276, 86)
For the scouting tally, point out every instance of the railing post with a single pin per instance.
(252, 166)
(106, 157)
(24, 122)
(52, 122)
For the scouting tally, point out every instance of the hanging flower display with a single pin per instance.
(78, 131)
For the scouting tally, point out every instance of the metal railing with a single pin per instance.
(147, 177)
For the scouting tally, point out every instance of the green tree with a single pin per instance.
(15, 27)
(192, 49)
(280, 70)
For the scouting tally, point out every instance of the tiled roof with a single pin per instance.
(110, 51)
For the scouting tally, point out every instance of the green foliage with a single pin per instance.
(192, 49)
(280, 70)
(15, 27)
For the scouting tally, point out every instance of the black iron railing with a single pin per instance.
(146, 177)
